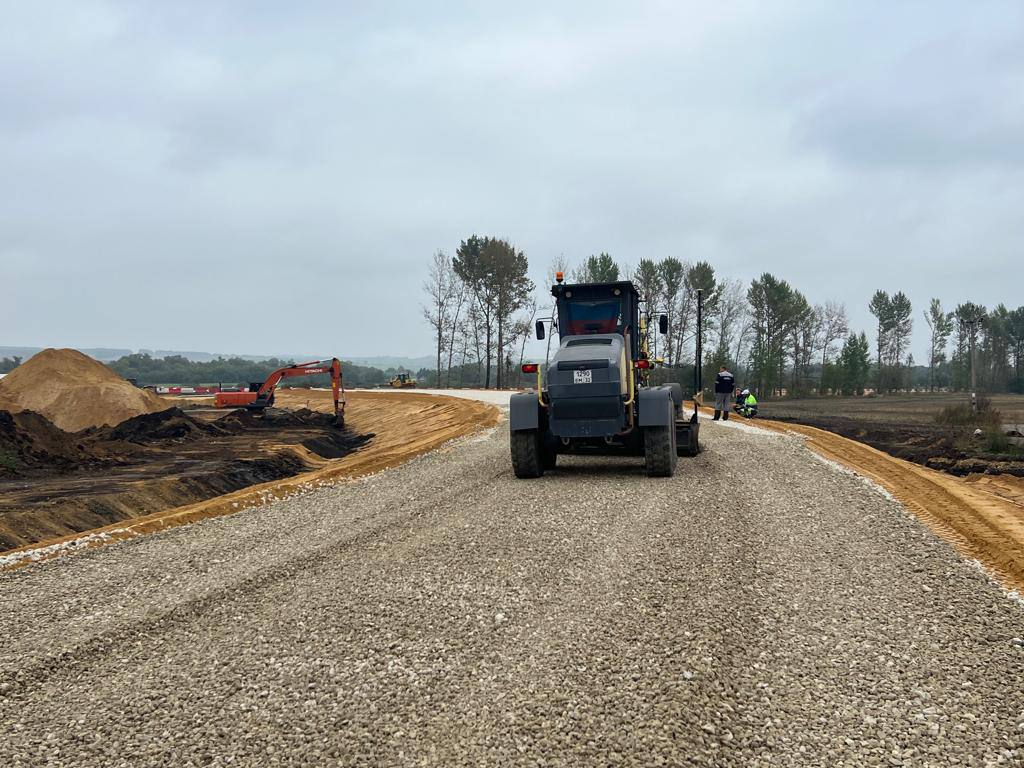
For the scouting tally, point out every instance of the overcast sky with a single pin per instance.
(261, 177)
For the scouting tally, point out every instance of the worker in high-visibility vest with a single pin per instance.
(746, 404)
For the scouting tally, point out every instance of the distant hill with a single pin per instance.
(103, 354)
(108, 355)
(384, 362)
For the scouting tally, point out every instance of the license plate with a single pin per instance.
(583, 377)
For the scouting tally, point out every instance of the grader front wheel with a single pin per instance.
(528, 459)
(660, 451)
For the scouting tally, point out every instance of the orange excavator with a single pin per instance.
(261, 396)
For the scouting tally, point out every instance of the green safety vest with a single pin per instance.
(751, 400)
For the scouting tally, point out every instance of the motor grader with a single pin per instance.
(595, 394)
(402, 381)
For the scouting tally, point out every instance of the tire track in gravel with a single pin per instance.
(194, 608)
(175, 605)
(608, 588)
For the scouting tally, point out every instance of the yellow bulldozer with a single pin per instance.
(402, 381)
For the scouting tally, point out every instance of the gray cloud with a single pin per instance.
(953, 101)
(174, 171)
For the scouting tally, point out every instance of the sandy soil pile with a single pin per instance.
(74, 391)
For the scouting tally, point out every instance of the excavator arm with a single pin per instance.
(264, 396)
(301, 369)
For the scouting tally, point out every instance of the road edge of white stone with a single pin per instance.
(498, 397)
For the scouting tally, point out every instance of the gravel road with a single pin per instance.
(760, 608)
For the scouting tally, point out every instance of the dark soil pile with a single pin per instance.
(273, 418)
(172, 424)
(334, 445)
(32, 446)
(331, 443)
(54, 482)
(29, 441)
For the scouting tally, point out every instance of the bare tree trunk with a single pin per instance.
(488, 343)
(439, 291)
(501, 352)
(455, 325)
(462, 366)
(487, 351)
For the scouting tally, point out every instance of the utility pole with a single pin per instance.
(699, 359)
(972, 326)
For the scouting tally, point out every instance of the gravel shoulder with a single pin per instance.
(760, 608)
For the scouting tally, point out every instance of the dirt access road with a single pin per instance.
(759, 608)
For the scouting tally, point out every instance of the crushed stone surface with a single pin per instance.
(760, 608)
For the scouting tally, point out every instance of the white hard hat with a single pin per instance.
(745, 392)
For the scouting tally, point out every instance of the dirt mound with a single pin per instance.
(28, 441)
(337, 443)
(170, 424)
(74, 391)
(273, 418)
(183, 481)
(147, 464)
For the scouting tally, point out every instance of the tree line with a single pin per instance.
(8, 364)
(482, 306)
(472, 303)
(179, 370)
(176, 370)
(996, 335)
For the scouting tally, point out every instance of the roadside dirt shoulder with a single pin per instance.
(404, 426)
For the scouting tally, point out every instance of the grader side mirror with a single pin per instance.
(540, 330)
(663, 323)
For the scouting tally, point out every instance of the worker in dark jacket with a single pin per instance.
(724, 383)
